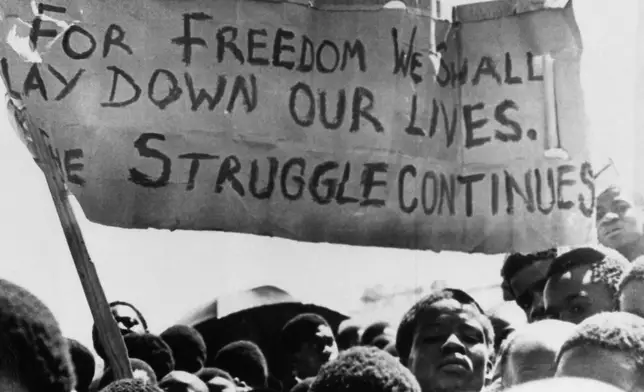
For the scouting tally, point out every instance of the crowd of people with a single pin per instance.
(583, 328)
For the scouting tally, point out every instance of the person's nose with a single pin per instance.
(453, 344)
(609, 218)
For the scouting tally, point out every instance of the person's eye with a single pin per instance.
(432, 338)
(600, 214)
(472, 337)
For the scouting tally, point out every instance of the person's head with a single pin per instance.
(383, 341)
(375, 330)
(504, 325)
(524, 277)
(565, 384)
(34, 355)
(608, 347)
(84, 364)
(619, 223)
(188, 347)
(245, 361)
(364, 369)
(152, 350)
(180, 381)
(131, 385)
(530, 353)
(583, 282)
(631, 289)
(140, 371)
(129, 320)
(348, 335)
(447, 342)
(309, 342)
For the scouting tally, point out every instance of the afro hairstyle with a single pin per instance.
(407, 327)
(364, 369)
(607, 266)
(515, 262)
(180, 381)
(152, 350)
(188, 347)
(208, 373)
(244, 360)
(300, 329)
(373, 331)
(32, 345)
(140, 371)
(84, 364)
(634, 273)
(613, 331)
(98, 346)
(131, 385)
(304, 385)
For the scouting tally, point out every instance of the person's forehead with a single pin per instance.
(448, 311)
(573, 282)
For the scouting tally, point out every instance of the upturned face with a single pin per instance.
(618, 222)
(449, 349)
(573, 297)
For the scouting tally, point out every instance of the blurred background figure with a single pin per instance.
(524, 277)
(530, 353)
(245, 362)
(607, 347)
(188, 347)
(84, 364)
(34, 355)
(631, 289)
(348, 335)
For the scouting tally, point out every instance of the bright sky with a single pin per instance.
(167, 274)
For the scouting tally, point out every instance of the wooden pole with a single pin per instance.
(109, 334)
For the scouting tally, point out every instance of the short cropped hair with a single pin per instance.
(31, 343)
(515, 262)
(634, 273)
(364, 369)
(614, 331)
(300, 329)
(405, 334)
(151, 349)
(607, 267)
(373, 331)
(188, 347)
(244, 360)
